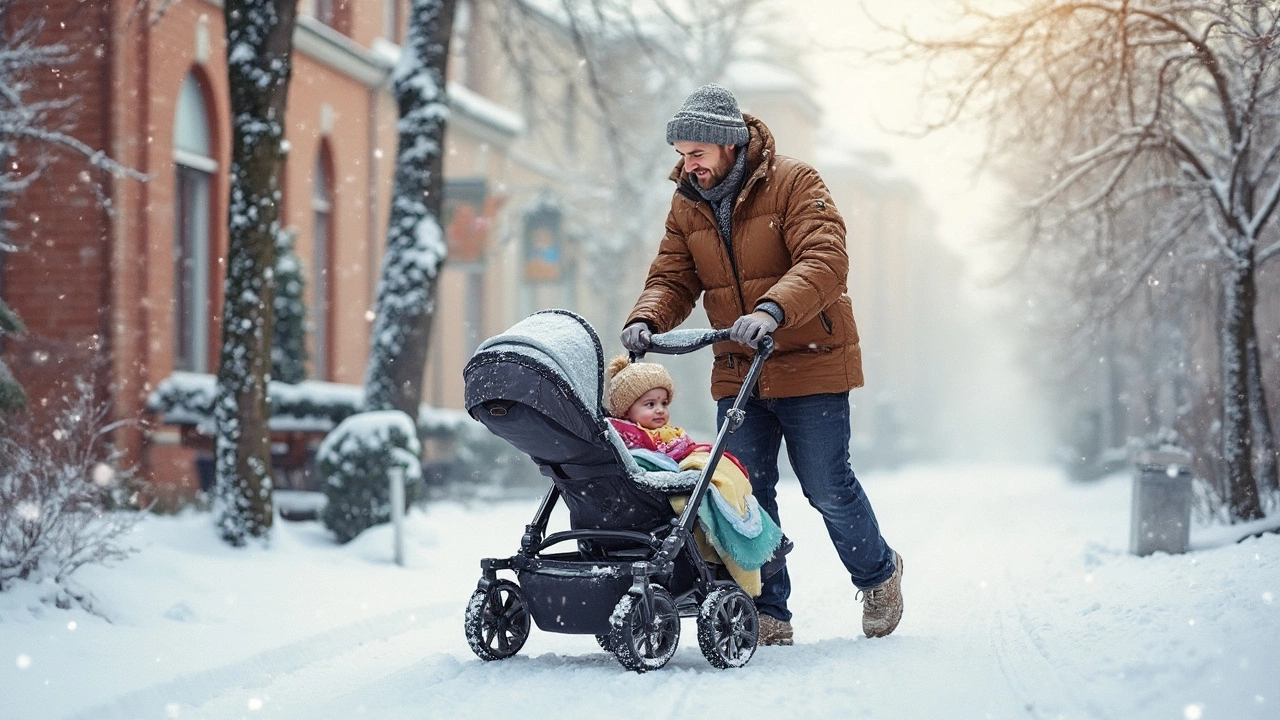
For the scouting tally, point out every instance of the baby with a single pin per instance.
(732, 529)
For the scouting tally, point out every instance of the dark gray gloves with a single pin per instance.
(635, 337)
(748, 329)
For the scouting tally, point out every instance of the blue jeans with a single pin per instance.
(816, 428)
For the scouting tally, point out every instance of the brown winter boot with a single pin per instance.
(774, 631)
(881, 605)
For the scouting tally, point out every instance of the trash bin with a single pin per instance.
(1160, 515)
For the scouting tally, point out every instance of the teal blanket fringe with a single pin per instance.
(724, 531)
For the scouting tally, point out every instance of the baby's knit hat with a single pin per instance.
(709, 115)
(628, 381)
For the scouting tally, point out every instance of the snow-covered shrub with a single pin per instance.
(289, 341)
(355, 463)
(64, 500)
(308, 406)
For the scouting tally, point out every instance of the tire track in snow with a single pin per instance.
(1026, 665)
(256, 671)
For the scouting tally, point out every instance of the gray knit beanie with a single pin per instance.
(709, 115)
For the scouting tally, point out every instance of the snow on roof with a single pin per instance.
(475, 106)
(462, 99)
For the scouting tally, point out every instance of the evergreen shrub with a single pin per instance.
(355, 463)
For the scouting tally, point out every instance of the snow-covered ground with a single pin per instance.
(1021, 602)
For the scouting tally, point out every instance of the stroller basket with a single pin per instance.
(570, 596)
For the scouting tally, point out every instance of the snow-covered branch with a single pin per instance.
(1268, 253)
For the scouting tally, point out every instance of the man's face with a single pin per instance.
(707, 163)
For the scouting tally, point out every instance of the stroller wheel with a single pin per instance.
(728, 627)
(497, 621)
(642, 641)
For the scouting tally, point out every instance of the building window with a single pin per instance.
(193, 186)
(391, 20)
(327, 11)
(321, 262)
(333, 13)
(571, 120)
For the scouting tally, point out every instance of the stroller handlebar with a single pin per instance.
(682, 341)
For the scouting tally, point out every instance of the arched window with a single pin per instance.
(195, 167)
(321, 262)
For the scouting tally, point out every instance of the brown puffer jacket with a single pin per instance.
(788, 246)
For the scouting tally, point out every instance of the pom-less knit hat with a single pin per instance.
(628, 381)
(709, 115)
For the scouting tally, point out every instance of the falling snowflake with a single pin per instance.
(103, 475)
(29, 512)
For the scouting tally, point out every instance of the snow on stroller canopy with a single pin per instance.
(564, 343)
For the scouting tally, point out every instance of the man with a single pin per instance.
(756, 235)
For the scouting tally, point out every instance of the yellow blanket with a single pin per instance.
(734, 487)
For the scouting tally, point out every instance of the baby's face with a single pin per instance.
(649, 411)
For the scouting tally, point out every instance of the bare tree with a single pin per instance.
(1143, 100)
(259, 64)
(415, 240)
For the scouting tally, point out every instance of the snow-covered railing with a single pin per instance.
(186, 398)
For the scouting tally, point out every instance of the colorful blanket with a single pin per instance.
(732, 529)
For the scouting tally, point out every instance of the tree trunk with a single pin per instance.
(259, 63)
(1238, 298)
(1264, 461)
(416, 246)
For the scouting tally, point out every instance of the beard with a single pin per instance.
(712, 178)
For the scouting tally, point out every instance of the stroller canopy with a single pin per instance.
(563, 344)
(540, 385)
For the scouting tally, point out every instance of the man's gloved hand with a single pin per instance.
(635, 337)
(748, 329)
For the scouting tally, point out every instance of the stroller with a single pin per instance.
(636, 570)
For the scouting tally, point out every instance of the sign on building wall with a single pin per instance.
(468, 215)
(543, 240)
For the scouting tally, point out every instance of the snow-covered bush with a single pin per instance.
(289, 339)
(355, 463)
(64, 501)
(308, 406)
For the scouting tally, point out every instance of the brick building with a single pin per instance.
(123, 277)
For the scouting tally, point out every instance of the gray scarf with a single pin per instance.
(722, 195)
